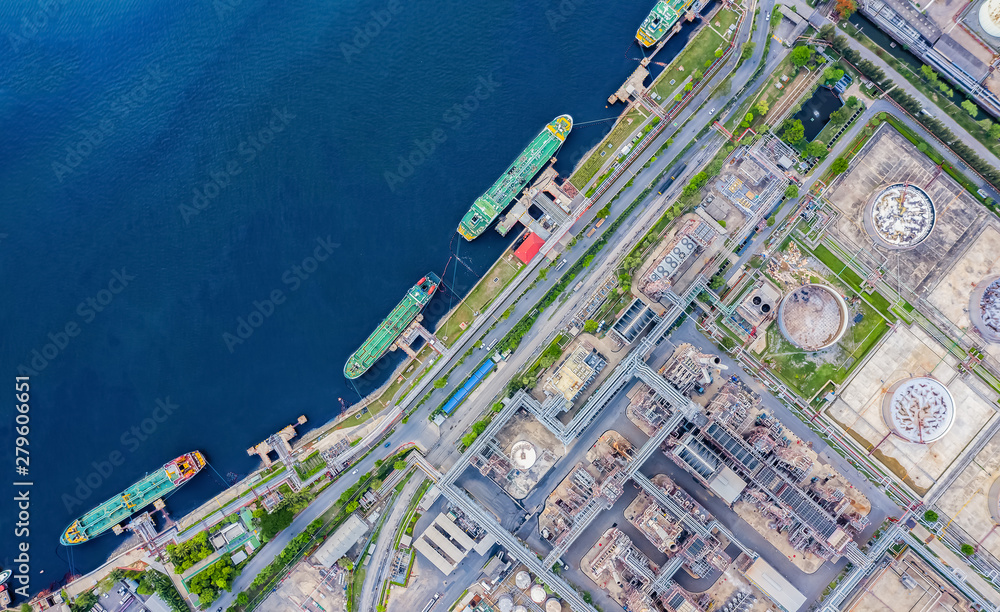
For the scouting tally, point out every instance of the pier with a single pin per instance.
(555, 202)
(279, 443)
(411, 333)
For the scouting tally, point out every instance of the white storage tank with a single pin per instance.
(522, 579)
(537, 594)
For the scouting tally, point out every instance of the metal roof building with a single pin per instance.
(341, 541)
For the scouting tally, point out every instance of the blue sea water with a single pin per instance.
(169, 167)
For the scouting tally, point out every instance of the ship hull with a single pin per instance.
(379, 342)
(156, 485)
(488, 206)
(665, 14)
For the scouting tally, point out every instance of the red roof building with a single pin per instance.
(529, 248)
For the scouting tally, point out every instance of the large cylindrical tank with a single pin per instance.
(520, 609)
(553, 605)
(505, 603)
(523, 580)
(989, 17)
(537, 594)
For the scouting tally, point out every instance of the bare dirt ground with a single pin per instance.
(807, 562)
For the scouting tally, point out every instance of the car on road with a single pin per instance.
(354, 472)
(387, 444)
(711, 112)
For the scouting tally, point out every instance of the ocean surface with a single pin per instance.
(168, 168)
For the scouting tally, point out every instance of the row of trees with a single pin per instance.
(939, 129)
(936, 127)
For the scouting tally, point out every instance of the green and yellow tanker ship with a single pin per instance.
(390, 329)
(154, 486)
(663, 17)
(488, 206)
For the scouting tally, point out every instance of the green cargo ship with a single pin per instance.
(488, 206)
(663, 17)
(159, 484)
(395, 324)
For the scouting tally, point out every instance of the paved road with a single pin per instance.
(384, 548)
(819, 21)
(418, 426)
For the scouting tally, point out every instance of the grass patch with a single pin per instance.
(610, 146)
(699, 50)
(310, 465)
(486, 290)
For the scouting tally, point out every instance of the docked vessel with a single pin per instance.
(395, 324)
(154, 486)
(488, 206)
(663, 17)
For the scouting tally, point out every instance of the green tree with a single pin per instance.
(550, 355)
(853, 102)
(762, 107)
(832, 74)
(970, 107)
(696, 75)
(930, 516)
(590, 326)
(84, 602)
(273, 522)
(839, 166)
(351, 507)
(345, 563)
(929, 74)
(968, 550)
(688, 86)
(242, 599)
(995, 130)
(816, 148)
(441, 382)
(986, 124)
(399, 465)
(801, 55)
(770, 221)
(792, 191)
(747, 120)
(717, 282)
(718, 53)
(793, 132)
(747, 51)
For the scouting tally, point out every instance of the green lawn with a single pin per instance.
(608, 150)
(491, 285)
(723, 19)
(699, 50)
(807, 374)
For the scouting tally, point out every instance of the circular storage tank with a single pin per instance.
(520, 609)
(523, 454)
(505, 603)
(813, 317)
(984, 308)
(522, 579)
(989, 17)
(919, 410)
(537, 594)
(553, 605)
(899, 216)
